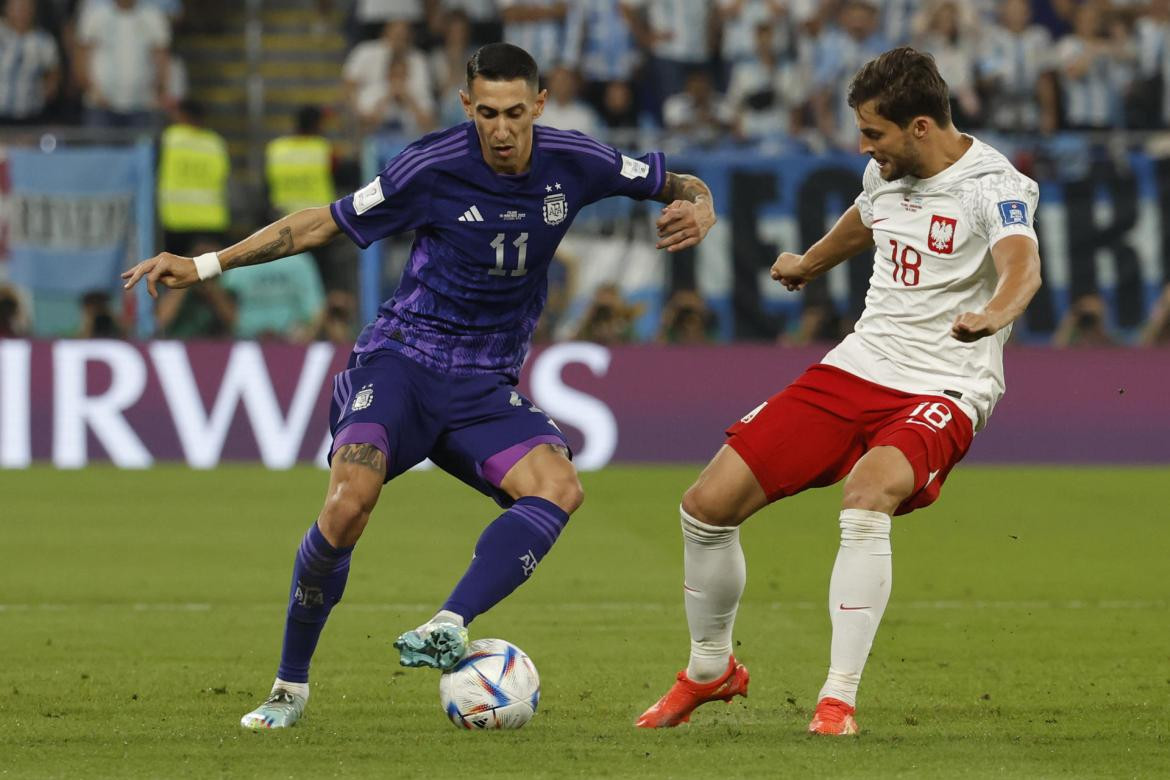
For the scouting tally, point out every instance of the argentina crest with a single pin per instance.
(363, 398)
(555, 208)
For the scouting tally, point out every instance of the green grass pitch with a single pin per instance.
(1028, 634)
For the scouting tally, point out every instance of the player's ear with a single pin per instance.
(920, 127)
(538, 105)
(465, 99)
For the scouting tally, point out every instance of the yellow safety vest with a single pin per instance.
(193, 170)
(299, 169)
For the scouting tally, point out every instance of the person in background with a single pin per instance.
(337, 321)
(698, 114)
(764, 93)
(1156, 332)
(947, 30)
(377, 89)
(601, 46)
(686, 319)
(840, 50)
(30, 66)
(1096, 66)
(563, 109)
(447, 63)
(1015, 72)
(206, 311)
(278, 301)
(619, 109)
(679, 36)
(193, 167)
(610, 318)
(97, 319)
(124, 64)
(538, 27)
(1084, 324)
(299, 167)
(14, 319)
(405, 110)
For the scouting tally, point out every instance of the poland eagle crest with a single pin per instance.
(942, 234)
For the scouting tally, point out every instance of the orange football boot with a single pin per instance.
(685, 695)
(834, 718)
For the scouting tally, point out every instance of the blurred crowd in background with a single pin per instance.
(768, 74)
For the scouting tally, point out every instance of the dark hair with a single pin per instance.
(193, 109)
(502, 62)
(308, 120)
(905, 83)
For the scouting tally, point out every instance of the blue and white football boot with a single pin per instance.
(282, 709)
(440, 645)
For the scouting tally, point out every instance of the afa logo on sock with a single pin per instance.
(308, 595)
(528, 563)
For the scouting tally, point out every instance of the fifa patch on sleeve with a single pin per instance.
(368, 196)
(634, 169)
(1013, 212)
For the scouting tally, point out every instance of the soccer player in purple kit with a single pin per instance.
(434, 375)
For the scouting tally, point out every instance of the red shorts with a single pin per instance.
(811, 433)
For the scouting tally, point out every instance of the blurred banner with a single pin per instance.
(73, 402)
(76, 217)
(1103, 222)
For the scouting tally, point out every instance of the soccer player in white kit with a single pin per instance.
(893, 407)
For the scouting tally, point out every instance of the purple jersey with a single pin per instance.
(476, 280)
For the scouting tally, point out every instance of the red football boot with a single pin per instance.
(834, 718)
(682, 698)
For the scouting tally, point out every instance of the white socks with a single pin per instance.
(714, 575)
(301, 689)
(446, 616)
(858, 593)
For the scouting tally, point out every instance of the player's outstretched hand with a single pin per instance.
(786, 270)
(164, 268)
(972, 326)
(683, 224)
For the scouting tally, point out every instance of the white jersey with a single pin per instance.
(932, 262)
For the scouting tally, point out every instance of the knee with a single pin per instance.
(564, 490)
(344, 515)
(705, 505)
(863, 492)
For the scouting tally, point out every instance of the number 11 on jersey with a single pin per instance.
(521, 244)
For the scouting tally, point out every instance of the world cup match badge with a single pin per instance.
(555, 209)
(363, 398)
(942, 234)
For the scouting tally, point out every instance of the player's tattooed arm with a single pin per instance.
(362, 455)
(689, 213)
(304, 229)
(683, 186)
(301, 230)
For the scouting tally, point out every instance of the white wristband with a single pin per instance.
(207, 266)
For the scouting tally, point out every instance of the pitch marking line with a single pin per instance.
(594, 606)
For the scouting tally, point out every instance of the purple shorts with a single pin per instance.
(473, 427)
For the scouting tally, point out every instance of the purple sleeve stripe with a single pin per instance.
(609, 158)
(407, 175)
(409, 157)
(660, 174)
(337, 390)
(400, 168)
(580, 143)
(564, 136)
(343, 221)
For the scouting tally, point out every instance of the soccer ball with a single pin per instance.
(494, 687)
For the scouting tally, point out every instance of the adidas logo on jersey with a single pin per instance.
(471, 215)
